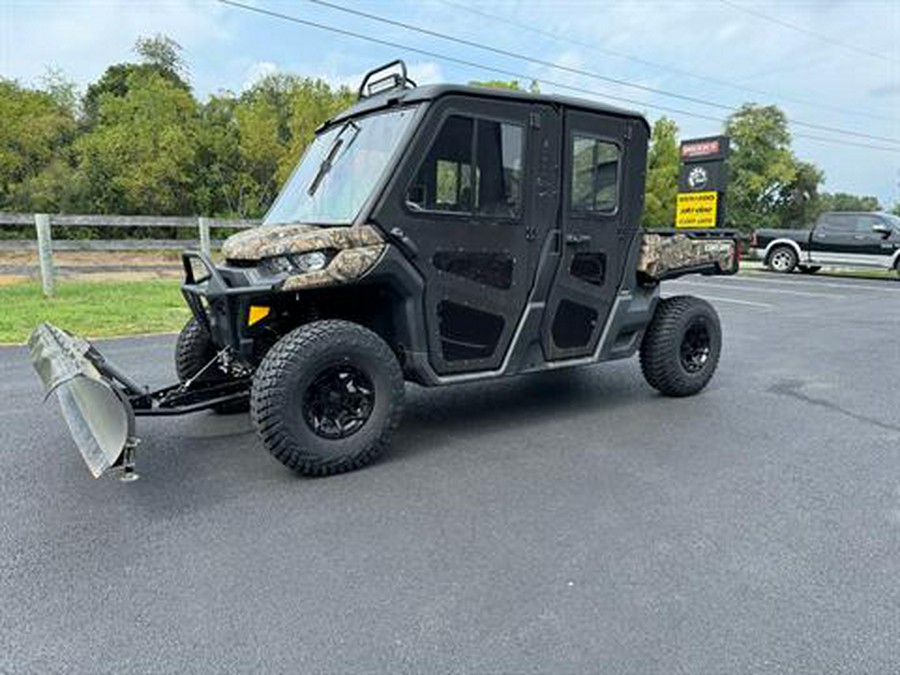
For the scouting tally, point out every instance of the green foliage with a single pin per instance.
(534, 87)
(761, 166)
(842, 201)
(162, 52)
(37, 132)
(662, 175)
(896, 209)
(800, 202)
(141, 154)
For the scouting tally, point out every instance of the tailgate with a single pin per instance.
(667, 254)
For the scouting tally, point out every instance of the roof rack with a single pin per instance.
(371, 86)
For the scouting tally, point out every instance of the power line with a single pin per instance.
(657, 65)
(517, 75)
(807, 31)
(584, 73)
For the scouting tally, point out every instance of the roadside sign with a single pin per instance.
(702, 182)
(697, 209)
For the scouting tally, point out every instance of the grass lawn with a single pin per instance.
(93, 308)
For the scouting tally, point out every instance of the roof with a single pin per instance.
(430, 92)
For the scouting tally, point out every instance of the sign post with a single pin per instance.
(702, 182)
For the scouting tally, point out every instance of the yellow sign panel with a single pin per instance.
(696, 209)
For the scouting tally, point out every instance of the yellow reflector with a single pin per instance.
(257, 314)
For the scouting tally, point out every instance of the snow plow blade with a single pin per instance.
(97, 412)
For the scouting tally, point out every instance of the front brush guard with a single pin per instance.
(99, 402)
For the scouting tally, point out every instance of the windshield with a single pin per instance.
(894, 221)
(339, 170)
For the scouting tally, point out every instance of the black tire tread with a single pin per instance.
(657, 365)
(269, 390)
(193, 350)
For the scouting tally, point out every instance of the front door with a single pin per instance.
(460, 199)
(594, 234)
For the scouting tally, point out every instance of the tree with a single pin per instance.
(141, 155)
(761, 166)
(800, 200)
(841, 201)
(896, 209)
(662, 175)
(534, 87)
(160, 56)
(163, 53)
(37, 131)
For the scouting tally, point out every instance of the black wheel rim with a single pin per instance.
(338, 402)
(695, 347)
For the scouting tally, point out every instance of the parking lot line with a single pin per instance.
(751, 303)
(759, 277)
(751, 289)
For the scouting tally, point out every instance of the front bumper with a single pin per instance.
(220, 298)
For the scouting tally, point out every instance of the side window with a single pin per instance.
(838, 223)
(595, 175)
(864, 224)
(446, 181)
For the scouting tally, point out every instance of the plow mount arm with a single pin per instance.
(99, 401)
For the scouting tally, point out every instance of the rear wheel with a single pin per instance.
(680, 350)
(193, 352)
(326, 398)
(782, 259)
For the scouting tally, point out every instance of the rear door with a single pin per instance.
(594, 234)
(833, 241)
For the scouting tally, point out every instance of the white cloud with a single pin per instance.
(83, 38)
(258, 71)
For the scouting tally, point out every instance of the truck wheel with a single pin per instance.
(326, 397)
(193, 351)
(782, 259)
(681, 347)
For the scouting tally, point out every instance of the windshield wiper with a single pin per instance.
(330, 157)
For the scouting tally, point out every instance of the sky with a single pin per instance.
(830, 63)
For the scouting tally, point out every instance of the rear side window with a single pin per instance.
(473, 167)
(595, 175)
(839, 223)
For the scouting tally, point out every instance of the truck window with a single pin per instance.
(837, 222)
(446, 182)
(595, 175)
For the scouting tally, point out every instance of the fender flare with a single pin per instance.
(781, 242)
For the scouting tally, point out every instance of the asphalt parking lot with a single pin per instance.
(562, 523)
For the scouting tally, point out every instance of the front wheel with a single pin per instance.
(326, 397)
(194, 351)
(680, 350)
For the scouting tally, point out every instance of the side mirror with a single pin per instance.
(881, 228)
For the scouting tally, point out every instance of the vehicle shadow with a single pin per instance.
(529, 400)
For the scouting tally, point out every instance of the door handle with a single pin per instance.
(859, 237)
(577, 239)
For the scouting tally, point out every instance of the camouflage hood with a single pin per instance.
(267, 241)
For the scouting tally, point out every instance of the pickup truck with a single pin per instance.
(844, 238)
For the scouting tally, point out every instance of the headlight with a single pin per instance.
(299, 263)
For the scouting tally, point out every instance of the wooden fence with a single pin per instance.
(45, 225)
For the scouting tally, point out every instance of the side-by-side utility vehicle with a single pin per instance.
(433, 234)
